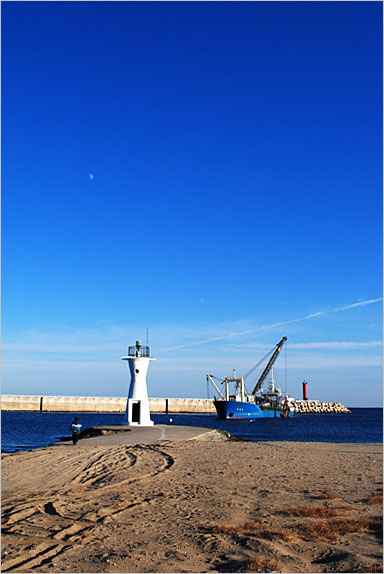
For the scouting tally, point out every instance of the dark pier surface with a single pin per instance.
(123, 434)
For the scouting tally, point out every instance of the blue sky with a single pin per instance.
(211, 171)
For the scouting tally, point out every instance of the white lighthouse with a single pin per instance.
(137, 411)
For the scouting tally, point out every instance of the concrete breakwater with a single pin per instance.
(156, 405)
(101, 404)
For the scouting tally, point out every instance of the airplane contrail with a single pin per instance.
(359, 304)
(273, 325)
(321, 313)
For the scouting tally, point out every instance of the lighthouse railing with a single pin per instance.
(144, 351)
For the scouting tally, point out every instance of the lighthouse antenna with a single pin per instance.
(146, 338)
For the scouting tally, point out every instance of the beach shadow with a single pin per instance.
(231, 565)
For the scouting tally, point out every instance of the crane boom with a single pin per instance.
(209, 377)
(269, 365)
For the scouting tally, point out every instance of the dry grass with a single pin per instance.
(262, 564)
(326, 530)
(238, 530)
(258, 529)
(344, 507)
(331, 530)
(328, 496)
(232, 530)
(283, 534)
(376, 568)
(376, 497)
(312, 511)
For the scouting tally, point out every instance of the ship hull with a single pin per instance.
(231, 410)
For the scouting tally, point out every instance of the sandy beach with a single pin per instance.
(198, 504)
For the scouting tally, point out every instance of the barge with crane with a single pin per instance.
(257, 404)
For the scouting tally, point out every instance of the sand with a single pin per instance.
(201, 505)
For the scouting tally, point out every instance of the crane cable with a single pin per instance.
(217, 379)
(251, 370)
(259, 363)
(255, 367)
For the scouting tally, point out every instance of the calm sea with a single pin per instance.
(30, 430)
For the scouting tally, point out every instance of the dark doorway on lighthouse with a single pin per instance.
(136, 412)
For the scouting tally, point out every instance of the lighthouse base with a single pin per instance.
(147, 424)
(137, 413)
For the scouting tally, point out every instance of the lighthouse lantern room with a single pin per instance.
(137, 411)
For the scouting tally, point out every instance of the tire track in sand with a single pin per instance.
(38, 529)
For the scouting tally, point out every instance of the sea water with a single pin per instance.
(31, 430)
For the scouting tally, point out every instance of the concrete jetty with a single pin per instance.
(115, 434)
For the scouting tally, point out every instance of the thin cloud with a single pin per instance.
(274, 325)
(108, 340)
(337, 345)
(210, 340)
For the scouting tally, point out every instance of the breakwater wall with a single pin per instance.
(101, 404)
(156, 405)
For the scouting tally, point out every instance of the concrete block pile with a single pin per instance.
(309, 407)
